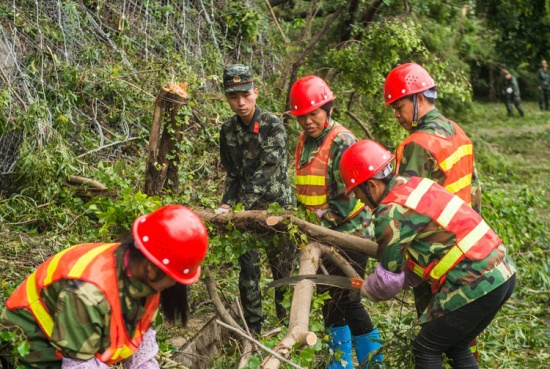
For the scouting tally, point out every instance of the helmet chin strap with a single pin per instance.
(366, 190)
(415, 113)
(368, 194)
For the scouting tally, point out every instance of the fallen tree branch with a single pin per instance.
(244, 335)
(87, 181)
(262, 223)
(298, 326)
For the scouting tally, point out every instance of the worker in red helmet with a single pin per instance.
(426, 233)
(92, 305)
(319, 188)
(437, 148)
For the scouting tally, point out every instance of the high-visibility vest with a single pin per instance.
(311, 178)
(92, 263)
(454, 155)
(475, 240)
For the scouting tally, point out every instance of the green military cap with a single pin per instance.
(238, 78)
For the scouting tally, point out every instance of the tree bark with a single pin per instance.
(321, 244)
(262, 223)
(298, 325)
(163, 159)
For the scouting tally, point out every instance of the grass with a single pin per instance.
(512, 157)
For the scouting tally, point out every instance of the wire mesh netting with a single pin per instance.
(87, 69)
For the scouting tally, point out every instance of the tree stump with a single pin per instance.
(166, 132)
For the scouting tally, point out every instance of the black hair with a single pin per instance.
(173, 301)
(327, 107)
(430, 100)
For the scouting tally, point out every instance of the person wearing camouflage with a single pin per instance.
(253, 151)
(543, 82)
(320, 189)
(510, 91)
(425, 232)
(92, 305)
(436, 148)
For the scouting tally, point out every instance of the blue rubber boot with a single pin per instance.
(365, 347)
(340, 344)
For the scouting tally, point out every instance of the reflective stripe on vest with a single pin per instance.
(454, 156)
(474, 239)
(311, 177)
(93, 263)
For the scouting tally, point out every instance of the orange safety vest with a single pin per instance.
(474, 238)
(454, 155)
(92, 263)
(311, 179)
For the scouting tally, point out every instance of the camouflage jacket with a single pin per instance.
(340, 204)
(419, 162)
(400, 230)
(78, 304)
(256, 160)
(511, 87)
(543, 78)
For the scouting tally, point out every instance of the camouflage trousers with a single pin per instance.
(544, 97)
(281, 260)
(515, 101)
(41, 353)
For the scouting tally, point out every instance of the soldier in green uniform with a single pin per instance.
(511, 91)
(436, 148)
(425, 232)
(92, 305)
(253, 151)
(543, 82)
(320, 189)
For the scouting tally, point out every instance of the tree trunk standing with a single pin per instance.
(163, 158)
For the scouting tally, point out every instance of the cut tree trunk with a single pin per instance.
(166, 132)
(262, 223)
(322, 243)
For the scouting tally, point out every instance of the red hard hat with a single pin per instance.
(406, 79)
(174, 239)
(361, 161)
(309, 93)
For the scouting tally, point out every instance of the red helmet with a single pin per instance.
(309, 93)
(174, 239)
(406, 79)
(361, 161)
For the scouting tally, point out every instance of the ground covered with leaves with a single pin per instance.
(512, 158)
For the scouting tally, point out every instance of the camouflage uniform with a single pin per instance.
(341, 309)
(511, 94)
(419, 162)
(543, 81)
(399, 230)
(469, 297)
(78, 304)
(256, 160)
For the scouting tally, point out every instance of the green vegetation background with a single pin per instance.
(79, 81)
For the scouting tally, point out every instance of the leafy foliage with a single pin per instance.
(83, 89)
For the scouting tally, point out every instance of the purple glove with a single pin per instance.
(144, 357)
(382, 285)
(93, 363)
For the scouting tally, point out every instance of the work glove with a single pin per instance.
(222, 209)
(321, 212)
(382, 284)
